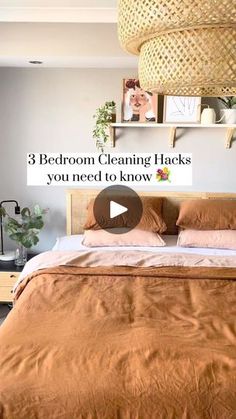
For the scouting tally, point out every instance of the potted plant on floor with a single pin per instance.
(228, 114)
(24, 230)
(105, 115)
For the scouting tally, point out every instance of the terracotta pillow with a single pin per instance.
(135, 237)
(216, 239)
(206, 214)
(151, 219)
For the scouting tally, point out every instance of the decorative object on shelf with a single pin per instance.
(228, 115)
(24, 231)
(6, 256)
(182, 109)
(138, 105)
(105, 115)
(186, 48)
(208, 115)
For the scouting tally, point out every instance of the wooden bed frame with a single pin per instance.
(78, 199)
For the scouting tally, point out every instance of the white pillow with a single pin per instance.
(69, 243)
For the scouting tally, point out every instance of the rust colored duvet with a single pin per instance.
(121, 343)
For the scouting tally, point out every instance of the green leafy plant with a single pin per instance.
(229, 102)
(26, 230)
(104, 117)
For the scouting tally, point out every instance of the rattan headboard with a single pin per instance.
(78, 199)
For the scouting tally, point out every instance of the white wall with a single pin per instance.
(49, 110)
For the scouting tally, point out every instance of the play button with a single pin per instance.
(117, 209)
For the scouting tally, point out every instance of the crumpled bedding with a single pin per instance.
(140, 258)
(121, 343)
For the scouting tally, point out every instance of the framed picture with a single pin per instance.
(138, 105)
(183, 109)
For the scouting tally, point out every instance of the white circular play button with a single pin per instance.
(118, 209)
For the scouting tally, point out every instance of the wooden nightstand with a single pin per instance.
(9, 274)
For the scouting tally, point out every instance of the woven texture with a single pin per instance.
(191, 62)
(186, 47)
(140, 20)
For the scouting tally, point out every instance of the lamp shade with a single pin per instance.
(186, 47)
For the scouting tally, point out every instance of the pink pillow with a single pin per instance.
(135, 237)
(216, 239)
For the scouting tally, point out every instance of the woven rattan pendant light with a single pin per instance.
(186, 47)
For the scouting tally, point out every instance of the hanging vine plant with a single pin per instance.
(104, 115)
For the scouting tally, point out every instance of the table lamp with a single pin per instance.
(7, 256)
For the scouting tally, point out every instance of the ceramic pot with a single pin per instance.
(208, 116)
(228, 116)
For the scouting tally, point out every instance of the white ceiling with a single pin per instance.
(59, 3)
(60, 11)
(70, 62)
(62, 45)
(61, 33)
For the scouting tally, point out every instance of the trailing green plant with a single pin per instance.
(229, 102)
(24, 231)
(103, 117)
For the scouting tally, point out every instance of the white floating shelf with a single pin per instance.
(230, 129)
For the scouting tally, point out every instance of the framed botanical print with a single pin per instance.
(182, 109)
(138, 105)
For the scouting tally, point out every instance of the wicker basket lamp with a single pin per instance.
(186, 47)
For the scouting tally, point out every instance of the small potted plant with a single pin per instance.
(24, 231)
(105, 115)
(228, 114)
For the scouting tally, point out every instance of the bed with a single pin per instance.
(110, 333)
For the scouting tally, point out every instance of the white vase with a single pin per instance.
(228, 116)
(208, 116)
